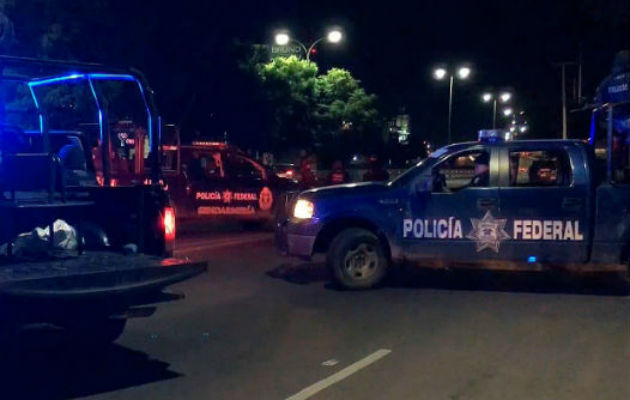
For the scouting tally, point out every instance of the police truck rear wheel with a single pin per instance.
(357, 259)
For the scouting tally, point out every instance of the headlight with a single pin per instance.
(303, 209)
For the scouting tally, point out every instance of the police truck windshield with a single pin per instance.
(407, 176)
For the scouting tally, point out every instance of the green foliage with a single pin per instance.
(330, 111)
(289, 84)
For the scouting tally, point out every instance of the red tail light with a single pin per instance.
(168, 221)
(113, 182)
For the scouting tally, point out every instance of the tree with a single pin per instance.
(290, 87)
(330, 111)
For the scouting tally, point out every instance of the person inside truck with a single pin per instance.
(482, 171)
(210, 168)
(514, 169)
(195, 169)
(72, 158)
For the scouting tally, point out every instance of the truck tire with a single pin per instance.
(97, 332)
(357, 259)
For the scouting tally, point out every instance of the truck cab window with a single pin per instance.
(242, 168)
(470, 168)
(539, 168)
(204, 165)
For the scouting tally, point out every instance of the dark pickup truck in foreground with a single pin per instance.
(77, 250)
(496, 203)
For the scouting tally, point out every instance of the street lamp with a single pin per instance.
(504, 97)
(507, 111)
(282, 39)
(439, 73)
(462, 72)
(332, 36)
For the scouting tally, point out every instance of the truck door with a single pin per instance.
(457, 218)
(206, 181)
(249, 184)
(545, 203)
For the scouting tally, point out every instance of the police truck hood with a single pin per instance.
(348, 189)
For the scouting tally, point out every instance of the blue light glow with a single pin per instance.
(593, 127)
(531, 259)
(40, 116)
(71, 77)
(51, 81)
(33, 96)
(149, 119)
(118, 77)
(101, 131)
(90, 77)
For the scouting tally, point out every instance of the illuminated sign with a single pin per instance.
(286, 50)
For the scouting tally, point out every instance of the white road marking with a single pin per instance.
(330, 363)
(339, 376)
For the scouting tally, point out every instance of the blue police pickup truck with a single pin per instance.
(508, 204)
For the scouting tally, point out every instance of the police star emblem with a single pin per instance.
(488, 232)
(227, 196)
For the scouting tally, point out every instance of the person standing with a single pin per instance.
(308, 179)
(375, 172)
(338, 175)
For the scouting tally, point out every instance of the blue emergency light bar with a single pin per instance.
(494, 135)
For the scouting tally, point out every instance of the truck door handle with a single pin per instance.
(571, 202)
(486, 202)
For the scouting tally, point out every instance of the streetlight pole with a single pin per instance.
(310, 48)
(564, 103)
(441, 73)
(450, 106)
(563, 66)
(494, 114)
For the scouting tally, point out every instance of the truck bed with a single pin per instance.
(93, 274)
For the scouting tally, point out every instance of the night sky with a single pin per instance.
(188, 54)
(392, 47)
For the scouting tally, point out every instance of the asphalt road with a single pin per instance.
(259, 326)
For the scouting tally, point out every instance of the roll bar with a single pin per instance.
(608, 108)
(88, 72)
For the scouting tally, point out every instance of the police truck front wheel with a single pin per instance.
(357, 259)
